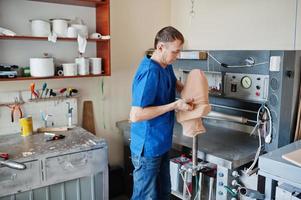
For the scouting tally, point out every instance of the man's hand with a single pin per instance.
(140, 114)
(184, 105)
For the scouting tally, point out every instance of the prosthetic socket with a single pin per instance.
(196, 88)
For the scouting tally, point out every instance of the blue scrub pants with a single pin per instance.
(151, 178)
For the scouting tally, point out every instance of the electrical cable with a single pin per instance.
(267, 138)
(103, 104)
(256, 155)
(235, 66)
(208, 64)
(184, 182)
(254, 129)
(233, 194)
(198, 193)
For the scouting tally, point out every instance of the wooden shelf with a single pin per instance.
(89, 3)
(19, 37)
(52, 77)
(103, 47)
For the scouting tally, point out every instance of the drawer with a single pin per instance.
(75, 165)
(13, 181)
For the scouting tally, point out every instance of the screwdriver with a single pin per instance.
(43, 89)
(62, 91)
(46, 93)
(33, 92)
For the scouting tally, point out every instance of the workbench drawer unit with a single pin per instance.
(75, 168)
(13, 181)
(85, 188)
(75, 165)
(74, 176)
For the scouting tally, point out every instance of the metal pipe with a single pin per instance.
(222, 116)
(201, 177)
(211, 182)
(194, 153)
(231, 108)
(251, 193)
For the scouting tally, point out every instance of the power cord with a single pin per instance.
(261, 120)
(236, 66)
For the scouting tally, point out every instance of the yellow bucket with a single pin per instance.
(26, 126)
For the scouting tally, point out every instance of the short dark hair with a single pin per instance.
(168, 34)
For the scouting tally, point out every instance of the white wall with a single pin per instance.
(236, 24)
(134, 24)
(298, 26)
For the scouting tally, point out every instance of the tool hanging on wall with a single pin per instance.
(43, 89)
(72, 91)
(15, 107)
(33, 92)
(62, 91)
(192, 12)
(102, 93)
(46, 92)
(52, 93)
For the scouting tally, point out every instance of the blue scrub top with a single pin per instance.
(153, 85)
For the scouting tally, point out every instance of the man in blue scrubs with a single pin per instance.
(152, 116)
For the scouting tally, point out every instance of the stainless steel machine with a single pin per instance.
(253, 95)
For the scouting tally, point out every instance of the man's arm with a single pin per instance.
(140, 114)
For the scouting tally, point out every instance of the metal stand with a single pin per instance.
(194, 170)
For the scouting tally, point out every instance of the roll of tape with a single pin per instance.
(105, 37)
(60, 72)
(95, 36)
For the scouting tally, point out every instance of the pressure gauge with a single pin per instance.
(246, 82)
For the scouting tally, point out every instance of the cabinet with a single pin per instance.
(73, 168)
(102, 14)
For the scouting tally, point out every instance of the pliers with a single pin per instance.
(16, 107)
(4, 155)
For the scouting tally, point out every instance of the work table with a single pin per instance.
(225, 147)
(276, 169)
(79, 158)
(31, 147)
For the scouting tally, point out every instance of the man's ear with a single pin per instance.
(160, 46)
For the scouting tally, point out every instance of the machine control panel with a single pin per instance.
(252, 87)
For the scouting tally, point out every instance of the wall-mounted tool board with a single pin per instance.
(57, 107)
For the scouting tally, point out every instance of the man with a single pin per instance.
(152, 116)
